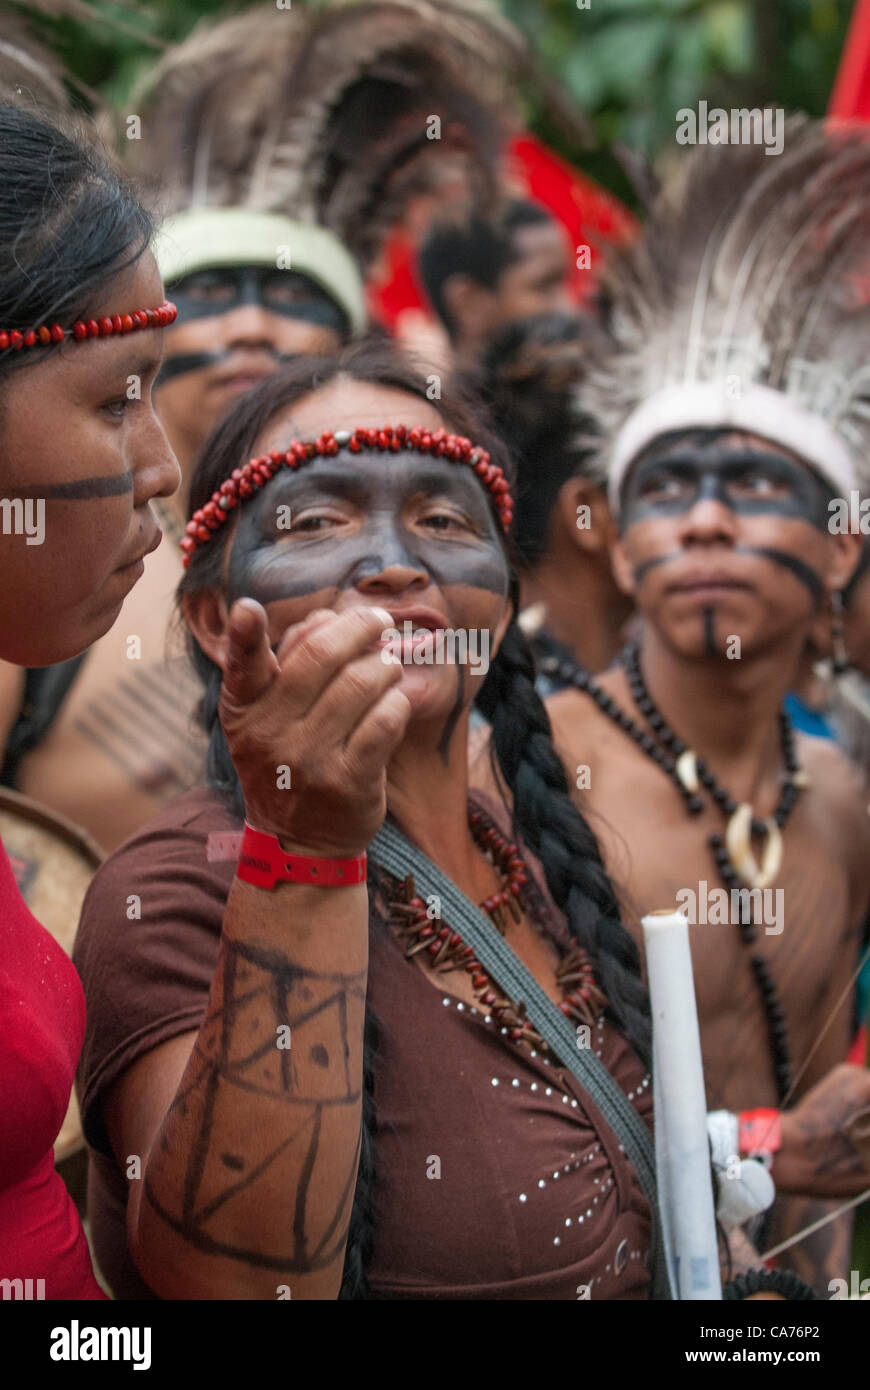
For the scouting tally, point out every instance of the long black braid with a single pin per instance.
(546, 818)
(544, 815)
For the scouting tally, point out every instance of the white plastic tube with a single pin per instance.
(682, 1152)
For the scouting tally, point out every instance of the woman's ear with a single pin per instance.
(205, 612)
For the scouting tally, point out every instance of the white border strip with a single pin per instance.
(758, 410)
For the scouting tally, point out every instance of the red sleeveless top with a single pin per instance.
(42, 1025)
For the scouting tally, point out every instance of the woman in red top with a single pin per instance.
(81, 320)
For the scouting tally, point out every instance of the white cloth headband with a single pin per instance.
(757, 410)
(206, 237)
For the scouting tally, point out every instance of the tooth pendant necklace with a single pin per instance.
(732, 851)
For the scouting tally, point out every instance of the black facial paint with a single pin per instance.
(371, 496)
(81, 489)
(710, 631)
(196, 361)
(643, 570)
(803, 572)
(748, 481)
(453, 717)
(223, 288)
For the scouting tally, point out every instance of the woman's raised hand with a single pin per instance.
(312, 727)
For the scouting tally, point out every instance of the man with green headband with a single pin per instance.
(252, 290)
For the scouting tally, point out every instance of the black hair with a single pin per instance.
(531, 381)
(524, 759)
(68, 224)
(478, 248)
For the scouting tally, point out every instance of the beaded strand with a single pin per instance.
(665, 754)
(583, 1000)
(48, 334)
(243, 482)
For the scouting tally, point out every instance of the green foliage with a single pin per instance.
(630, 64)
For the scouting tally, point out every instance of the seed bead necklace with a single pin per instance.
(732, 851)
(583, 1000)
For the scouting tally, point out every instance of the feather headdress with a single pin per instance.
(32, 75)
(746, 305)
(332, 117)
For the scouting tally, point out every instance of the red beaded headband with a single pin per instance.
(90, 328)
(243, 482)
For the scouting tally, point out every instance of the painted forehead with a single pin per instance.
(379, 487)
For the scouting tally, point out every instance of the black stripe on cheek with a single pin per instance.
(798, 568)
(81, 490)
(643, 570)
(188, 362)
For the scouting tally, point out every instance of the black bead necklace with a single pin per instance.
(668, 753)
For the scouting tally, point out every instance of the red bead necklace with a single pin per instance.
(583, 1000)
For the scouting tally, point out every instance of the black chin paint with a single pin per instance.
(710, 631)
(453, 717)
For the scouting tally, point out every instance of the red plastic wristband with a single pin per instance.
(264, 863)
(760, 1131)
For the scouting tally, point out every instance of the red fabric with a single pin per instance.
(858, 1051)
(589, 215)
(850, 99)
(42, 1025)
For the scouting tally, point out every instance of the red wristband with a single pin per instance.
(760, 1131)
(264, 863)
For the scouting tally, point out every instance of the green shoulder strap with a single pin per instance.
(399, 857)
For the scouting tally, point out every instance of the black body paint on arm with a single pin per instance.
(237, 1052)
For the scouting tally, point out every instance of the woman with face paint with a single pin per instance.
(725, 462)
(329, 1095)
(81, 309)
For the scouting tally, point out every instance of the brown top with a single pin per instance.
(496, 1175)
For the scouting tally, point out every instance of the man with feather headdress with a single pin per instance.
(731, 406)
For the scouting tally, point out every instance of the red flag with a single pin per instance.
(850, 99)
(591, 217)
